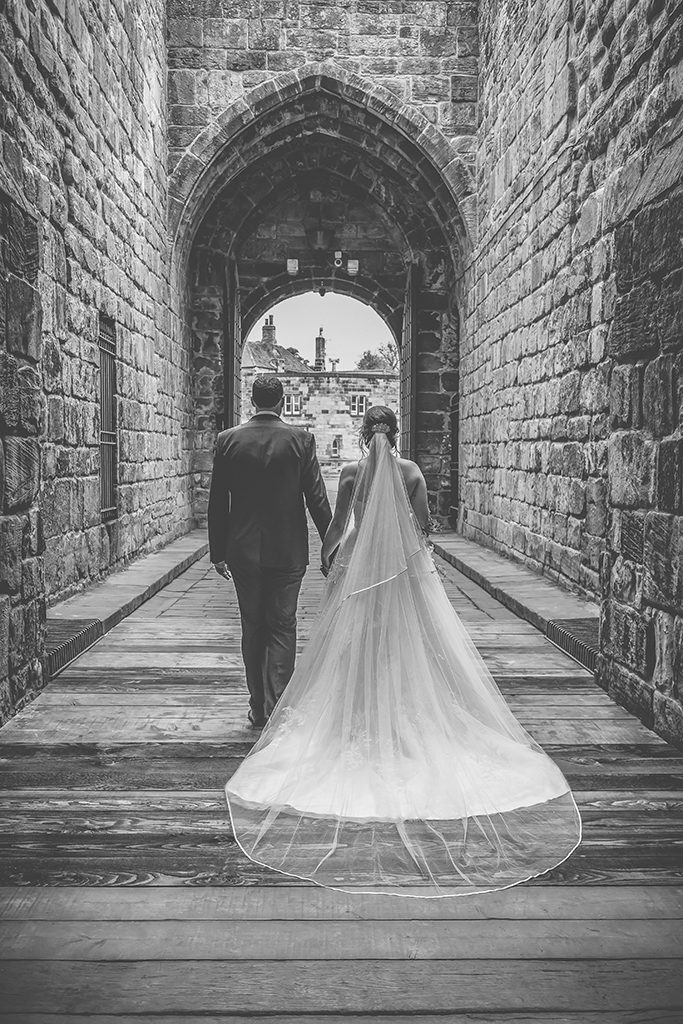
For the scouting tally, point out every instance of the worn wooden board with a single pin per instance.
(525, 1017)
(307, 902)
(127, 899)
(339, 940)
(294, 986)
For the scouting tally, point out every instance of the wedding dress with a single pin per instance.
(391, 763)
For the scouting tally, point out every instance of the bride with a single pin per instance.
(391, 763)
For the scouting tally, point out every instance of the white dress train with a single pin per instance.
(391, 763)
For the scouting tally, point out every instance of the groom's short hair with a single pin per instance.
(266, 391)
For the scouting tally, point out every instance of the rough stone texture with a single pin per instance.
(545, 318)
(571, 358)
(22, 602)
(83, 143)
(423, 53)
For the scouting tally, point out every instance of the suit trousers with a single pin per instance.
(267, 600)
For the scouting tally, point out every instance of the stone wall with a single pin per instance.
(571, 356)
(423, 52)
(22, 418)
(83, 140)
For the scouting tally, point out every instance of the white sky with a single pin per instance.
(349, 326)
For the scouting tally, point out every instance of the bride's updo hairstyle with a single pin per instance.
(379, 417)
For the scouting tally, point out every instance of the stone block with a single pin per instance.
(463, 88)
(662, 676)
(24, 319)
(589, 224)
(634, 331)
(631, 639)
(4, 635)
(570, 392)
(22, 472)
(670, 312)
(668, 718)
(659, 411)
(632, 536)
(627, 689)
(573, 460)
(626, 583)
(430, 88)
(10, 554)
(31, 400)
(663, 559)
(596, 508)
(670, 475)
(631, 467)
(625, 395)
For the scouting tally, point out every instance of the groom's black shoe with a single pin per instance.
(257, 723)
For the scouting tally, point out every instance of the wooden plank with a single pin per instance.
(338, 940)
(525, 1017)
(419, 986)
(210, 857)
(315, 903)
(56, 725)
(644, 809)
(213, 702)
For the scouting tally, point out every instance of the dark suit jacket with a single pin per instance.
(262, 471)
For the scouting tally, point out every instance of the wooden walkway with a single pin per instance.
(124, 897)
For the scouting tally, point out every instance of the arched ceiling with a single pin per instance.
(369, 210)
(317, 119)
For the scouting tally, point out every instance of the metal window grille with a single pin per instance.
(108, 427)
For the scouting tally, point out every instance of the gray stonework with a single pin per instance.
(424, 53)
(22, 421)
(571, 357)
(83, 141)
(514, 166)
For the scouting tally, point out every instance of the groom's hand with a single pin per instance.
(222, 570)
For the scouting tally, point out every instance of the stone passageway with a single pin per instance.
(125, 897)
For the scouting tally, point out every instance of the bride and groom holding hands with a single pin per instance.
(388, 760)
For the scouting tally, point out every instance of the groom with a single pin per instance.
(262, 471)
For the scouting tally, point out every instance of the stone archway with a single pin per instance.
(326, 132)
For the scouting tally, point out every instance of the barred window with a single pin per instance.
(359, 405)
(293, 405)
(108, 427)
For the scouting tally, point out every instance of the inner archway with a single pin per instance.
(320, 191)
(331, 376)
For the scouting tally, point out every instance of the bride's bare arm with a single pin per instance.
(341, 511)
(417, 492)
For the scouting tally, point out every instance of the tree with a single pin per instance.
(384, 358)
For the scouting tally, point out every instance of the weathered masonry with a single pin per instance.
(508, 177)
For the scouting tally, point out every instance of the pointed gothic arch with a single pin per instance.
(325, 118)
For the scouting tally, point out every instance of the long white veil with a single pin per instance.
(392, 763)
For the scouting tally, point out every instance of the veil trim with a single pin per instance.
(377, 891)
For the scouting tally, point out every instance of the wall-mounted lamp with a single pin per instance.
(352, 267)
(292, 267)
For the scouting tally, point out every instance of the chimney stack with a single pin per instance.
(268, 331)
(320, 352)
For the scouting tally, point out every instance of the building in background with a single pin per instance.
(328, 402)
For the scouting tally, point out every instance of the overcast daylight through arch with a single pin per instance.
(350, 327)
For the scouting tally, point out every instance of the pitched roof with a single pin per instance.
(272, 357)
